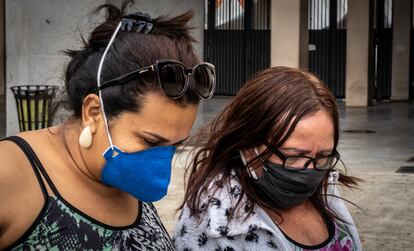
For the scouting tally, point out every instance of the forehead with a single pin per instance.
(317, 128)
(161, 115)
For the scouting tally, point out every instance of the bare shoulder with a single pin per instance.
(21, 195)
(11, 157)
(16, 178)
(11, 164)
(10, 160)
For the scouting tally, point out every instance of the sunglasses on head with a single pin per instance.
(174, 78)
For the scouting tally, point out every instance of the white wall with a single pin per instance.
(38, 30)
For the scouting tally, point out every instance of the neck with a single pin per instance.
(299, 209)
(72, 155)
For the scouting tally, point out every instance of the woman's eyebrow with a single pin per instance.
(304, 151)
(295, 149)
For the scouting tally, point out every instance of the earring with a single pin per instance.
(85, 138)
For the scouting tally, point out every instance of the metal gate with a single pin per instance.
(236, 40)
(383, 48)
(327, 42)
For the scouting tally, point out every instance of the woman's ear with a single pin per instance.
(91, 112)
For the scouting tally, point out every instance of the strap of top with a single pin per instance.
(35, 163)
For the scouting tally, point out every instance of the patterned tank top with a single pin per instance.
(61, 226)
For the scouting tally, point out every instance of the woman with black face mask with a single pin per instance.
(266, 177)
(89, 183)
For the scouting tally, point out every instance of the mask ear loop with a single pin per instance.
(258, 155)
(98, 78)
(251, 172)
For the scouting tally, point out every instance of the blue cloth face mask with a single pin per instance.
(145, 174)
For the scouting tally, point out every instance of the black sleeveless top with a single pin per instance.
(61, 226)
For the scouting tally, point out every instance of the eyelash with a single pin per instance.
(179, 144)
(151, 144)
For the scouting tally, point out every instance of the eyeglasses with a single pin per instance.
(321, 163)
(173, 78)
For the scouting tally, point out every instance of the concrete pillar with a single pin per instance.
(289, 33)
(357, 53)
(401, 50)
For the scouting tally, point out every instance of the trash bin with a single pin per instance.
(34, 106)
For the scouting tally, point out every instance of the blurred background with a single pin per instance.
(362, 49)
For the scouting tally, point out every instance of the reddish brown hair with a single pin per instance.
(266, 110)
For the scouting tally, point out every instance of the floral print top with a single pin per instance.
(214, 231)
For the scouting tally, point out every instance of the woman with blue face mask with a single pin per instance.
(89, 183)
(266, 177)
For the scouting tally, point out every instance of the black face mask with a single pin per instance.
(282, 188)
